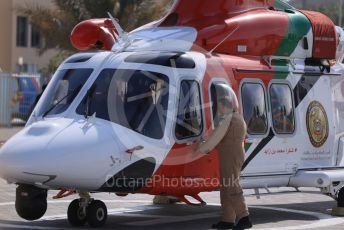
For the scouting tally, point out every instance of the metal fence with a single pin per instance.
(18, 95)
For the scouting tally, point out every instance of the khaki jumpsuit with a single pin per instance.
(229, 139)
(232, 157)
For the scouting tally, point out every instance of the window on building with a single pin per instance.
(189, 117)
(254, 108)
(282, 108)
(32, 68)
(35, 37)
(22, 68)
(22, 31)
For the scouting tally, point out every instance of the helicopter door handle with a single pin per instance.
(132, 150)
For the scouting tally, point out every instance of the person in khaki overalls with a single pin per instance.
(228, 138)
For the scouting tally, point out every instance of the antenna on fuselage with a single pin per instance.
(230, 34)
(123, 36)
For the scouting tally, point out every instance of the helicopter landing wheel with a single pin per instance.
(96, 214)
(77, 214)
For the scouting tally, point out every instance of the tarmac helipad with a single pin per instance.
(280, 210)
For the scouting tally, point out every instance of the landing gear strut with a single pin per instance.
(88, 210)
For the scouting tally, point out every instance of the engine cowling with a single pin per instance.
(256, 28)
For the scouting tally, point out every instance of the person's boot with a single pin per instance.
(223, 225)
(244, 223)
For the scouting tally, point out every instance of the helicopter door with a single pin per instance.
(269, 150)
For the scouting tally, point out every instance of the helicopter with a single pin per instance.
(124, 115)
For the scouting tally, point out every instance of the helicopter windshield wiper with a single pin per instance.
(72, 93)
(89, 96)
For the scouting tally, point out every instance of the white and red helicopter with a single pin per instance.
(127, 119)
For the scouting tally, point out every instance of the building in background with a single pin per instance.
(19, 40)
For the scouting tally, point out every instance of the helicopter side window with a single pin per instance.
(282, 108)
(254, 108)
(218, 91)
(189, 117)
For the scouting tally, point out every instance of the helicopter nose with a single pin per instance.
(19, 162)
(3, 168)
(10, 162)
(23, 157)
(19, 157)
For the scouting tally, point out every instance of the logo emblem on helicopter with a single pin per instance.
(317, 124)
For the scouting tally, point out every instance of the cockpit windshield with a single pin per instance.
(64, 87)
(135, 99)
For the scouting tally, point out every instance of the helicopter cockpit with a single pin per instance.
(134, 99)
(133, 90)
(66, 85)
